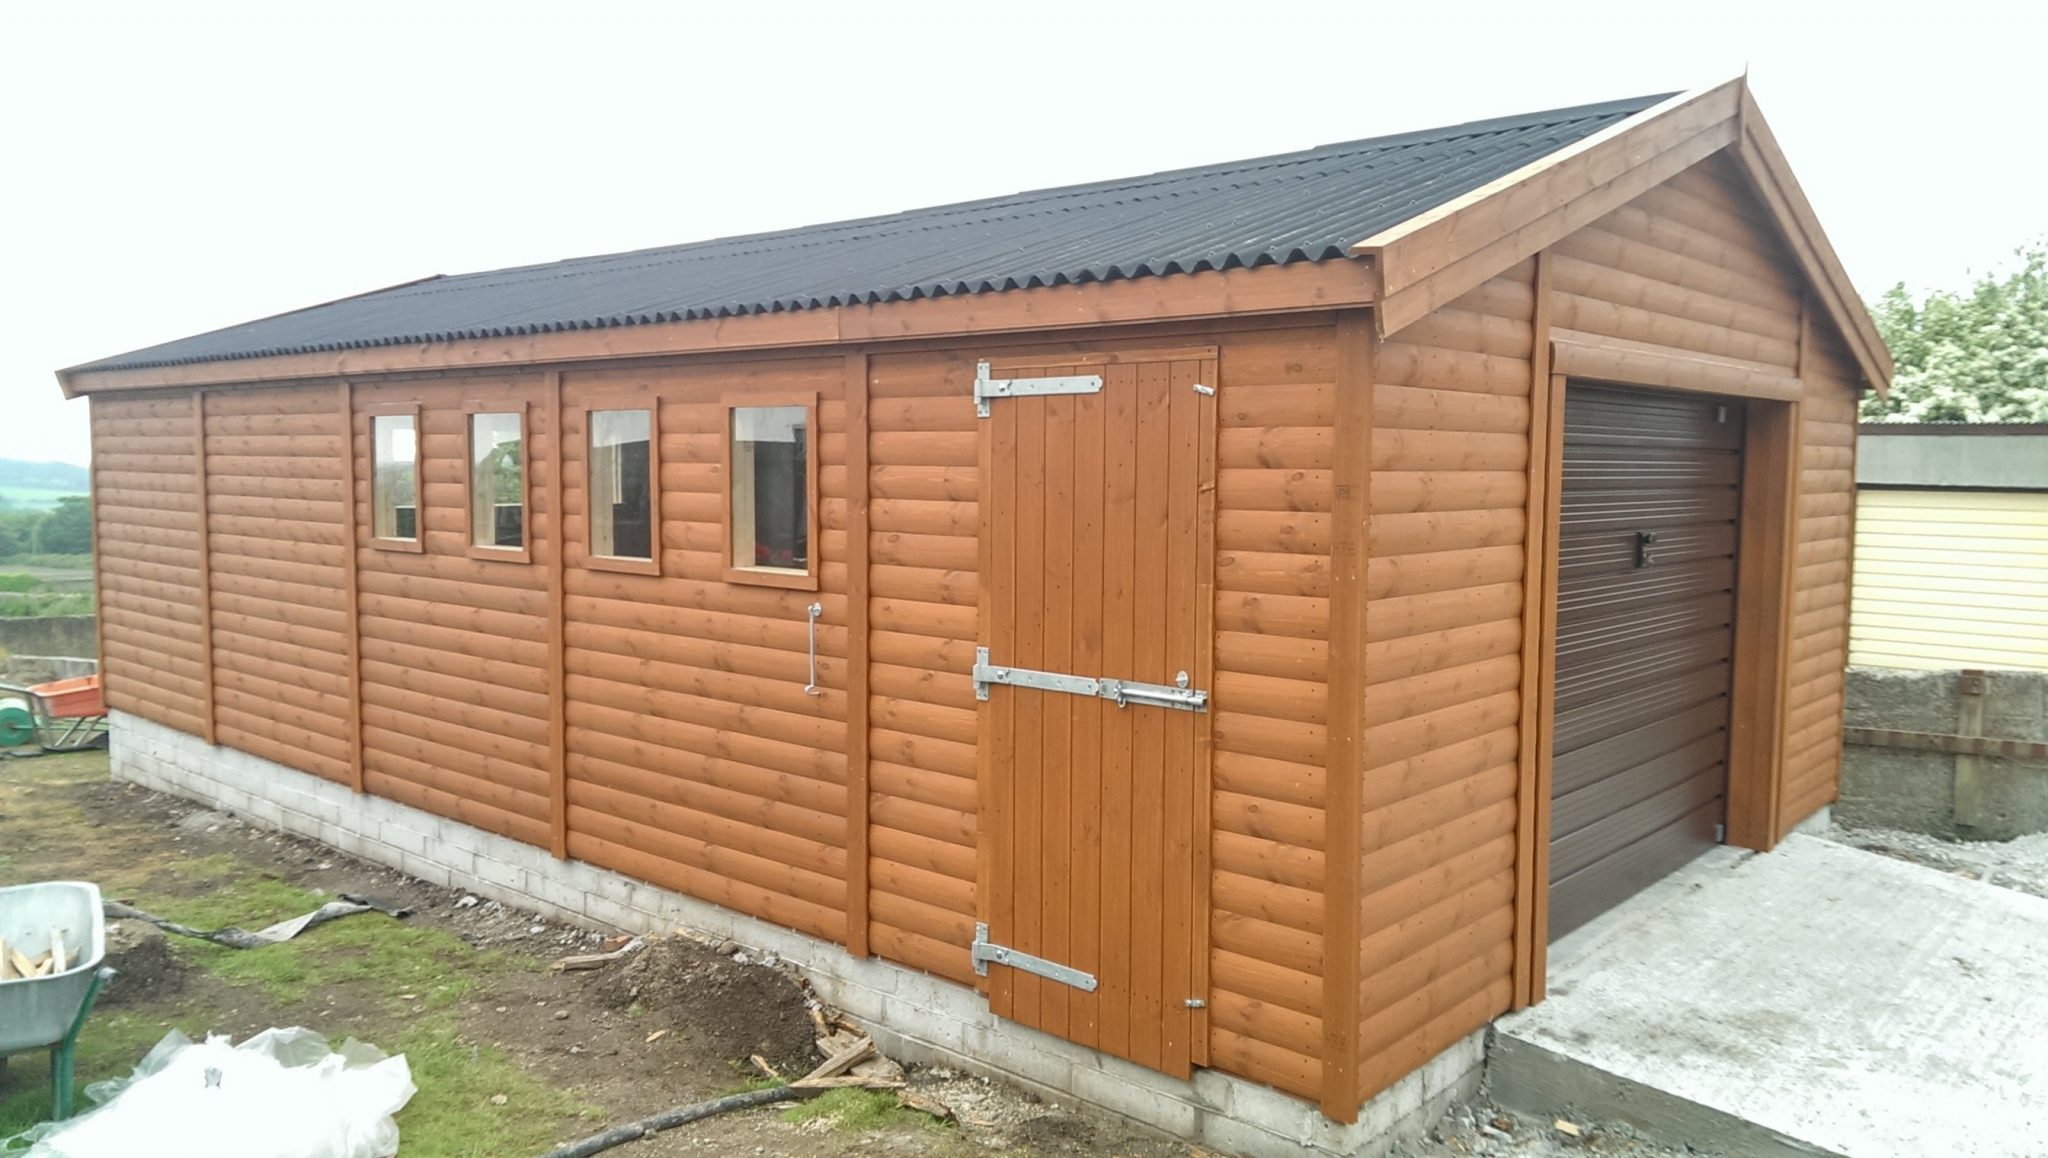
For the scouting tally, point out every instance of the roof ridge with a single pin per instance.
(1278, 208)
(1318, 152)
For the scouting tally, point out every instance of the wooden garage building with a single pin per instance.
(1260, 605)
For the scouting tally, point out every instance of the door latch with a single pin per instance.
(1123, 693)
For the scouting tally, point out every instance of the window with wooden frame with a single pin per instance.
(395, 523)
(771, 478)
(497, 481)
(623, 485)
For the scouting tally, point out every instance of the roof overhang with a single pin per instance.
(1243, 292)
(1432, 259)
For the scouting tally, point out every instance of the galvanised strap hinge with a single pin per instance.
(1123, 693)
(987, 389)
(988, 953)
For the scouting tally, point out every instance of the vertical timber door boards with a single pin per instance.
(347, 402)
(1096, 766)
(857, 799)
(1344, 750)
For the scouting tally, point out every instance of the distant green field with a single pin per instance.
(31, 498)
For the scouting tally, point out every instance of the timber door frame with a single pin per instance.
(1203, 590)
(1767, 522)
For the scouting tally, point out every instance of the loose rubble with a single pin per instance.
(2020, 864)
(1480, 1128)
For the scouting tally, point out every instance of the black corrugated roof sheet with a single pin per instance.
(1312, 205)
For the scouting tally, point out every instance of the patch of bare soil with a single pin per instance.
(145, 969)
(670, 1024)
(732, 1005)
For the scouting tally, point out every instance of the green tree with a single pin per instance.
(67, 528)
(1978, 356)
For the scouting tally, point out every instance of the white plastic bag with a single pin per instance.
(281, 1094)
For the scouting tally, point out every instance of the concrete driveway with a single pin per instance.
(1815, 999)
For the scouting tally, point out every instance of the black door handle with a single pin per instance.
(1644, 541)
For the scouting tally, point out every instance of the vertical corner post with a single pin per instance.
(1344, 759)
(857, 498)
(1532, 786)
(557, 550)
(199, 488)
(346, 400)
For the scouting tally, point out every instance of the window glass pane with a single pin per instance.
(394, 477)
(497, 481)
(620, 509)
(770, 493)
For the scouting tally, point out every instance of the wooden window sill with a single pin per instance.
(626, 566)
(790, 580)
(501, 554)
(409, 546)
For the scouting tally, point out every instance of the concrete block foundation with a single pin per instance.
(914, 1016)
(1917, 790)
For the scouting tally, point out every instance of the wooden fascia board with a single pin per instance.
(1763, 162)
(1301, 287)
(1431, 259)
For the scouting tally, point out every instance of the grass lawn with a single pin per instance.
(510, 1057)
(395, 984)
(47, 562)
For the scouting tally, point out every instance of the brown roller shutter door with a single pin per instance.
(1645, 632)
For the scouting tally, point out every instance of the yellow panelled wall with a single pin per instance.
(1950, 579)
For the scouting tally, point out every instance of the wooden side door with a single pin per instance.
(1098, 534)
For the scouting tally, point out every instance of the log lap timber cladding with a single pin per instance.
(1379, 362)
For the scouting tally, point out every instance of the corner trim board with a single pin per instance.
(558, 703)
(1344, 752)
(1536, 593)
(859, 487)
(352, 564)
(212, 717)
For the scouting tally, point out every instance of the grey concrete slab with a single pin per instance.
(1834, 1000)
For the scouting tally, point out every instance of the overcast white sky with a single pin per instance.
(173, 168)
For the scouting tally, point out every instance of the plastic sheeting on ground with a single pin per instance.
(281, 1094)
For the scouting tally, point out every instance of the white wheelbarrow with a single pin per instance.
(47, 1009)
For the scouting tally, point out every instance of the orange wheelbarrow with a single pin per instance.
(60, 716)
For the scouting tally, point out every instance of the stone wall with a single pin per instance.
(73, 635)
(1888, 785)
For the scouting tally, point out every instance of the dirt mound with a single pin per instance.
(145, 969)
(737, 1007)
